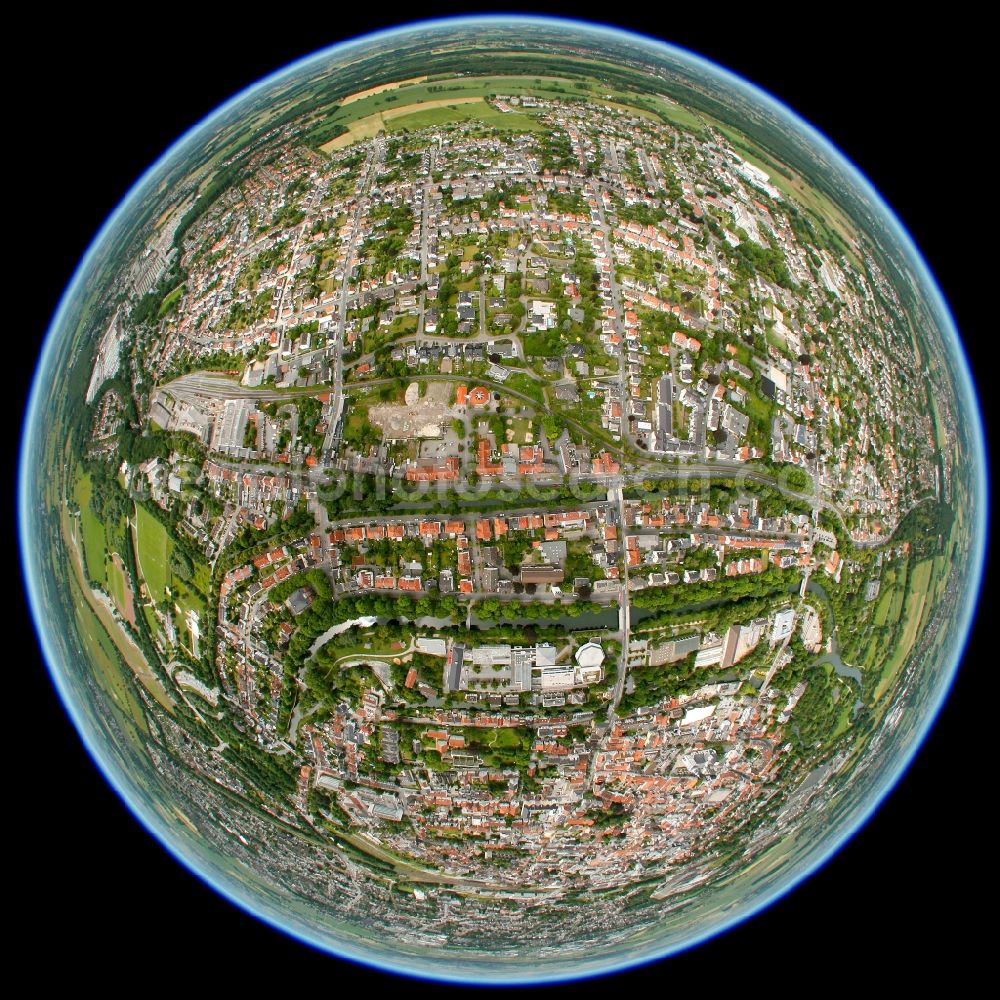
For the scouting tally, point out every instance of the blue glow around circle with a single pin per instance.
(33, 433)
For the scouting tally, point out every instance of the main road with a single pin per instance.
(617, 494)
(376, 157)
(209, 385)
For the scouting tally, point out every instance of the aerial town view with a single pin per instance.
(515, 489)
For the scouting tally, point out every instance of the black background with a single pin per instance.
(97, 100)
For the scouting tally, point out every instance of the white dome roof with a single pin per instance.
(590, 654)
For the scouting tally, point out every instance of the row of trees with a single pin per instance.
(772, 581)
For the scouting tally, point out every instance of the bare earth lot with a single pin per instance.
(417, 417)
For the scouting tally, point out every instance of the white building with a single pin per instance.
(784, 622)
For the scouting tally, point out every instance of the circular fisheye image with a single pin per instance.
(502, 500)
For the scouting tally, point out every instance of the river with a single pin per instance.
(366, 622)
(842, 669)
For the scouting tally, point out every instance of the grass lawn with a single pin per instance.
(356, 422)
(843, 718)
(187, 598)
(403, 324)
(202, 576)
(680, 419)
(777, 341)
(521, 427)
(168, 303)
(116, 586)
(758, 408)
(152, 553)
(505, 738)
(153, 548)
(150, 616)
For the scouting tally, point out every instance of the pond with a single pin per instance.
(842, 669)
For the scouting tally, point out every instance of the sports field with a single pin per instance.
(152, 552)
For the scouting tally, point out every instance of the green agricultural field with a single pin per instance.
(890, 601)
(393, 109)
(152, 545)
(898, 595)
(98, 621)
(95, 548)
(881, 613)
(105, 658)
(916, 606)
(873, 653)
(673, 112)
(447, 91)
(478, 111)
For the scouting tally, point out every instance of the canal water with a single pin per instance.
(842, 669)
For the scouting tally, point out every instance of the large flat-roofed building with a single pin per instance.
(729, 645)
(740, 640)
(545, 655)
(750, 635)
(512, 669)
(542, 574)
(230, 425)
(489, 656)
(709, 655)
(486, 667)
(559, 678)
(784, 622)
(453, 664)
(675, 649)
(664, 413)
